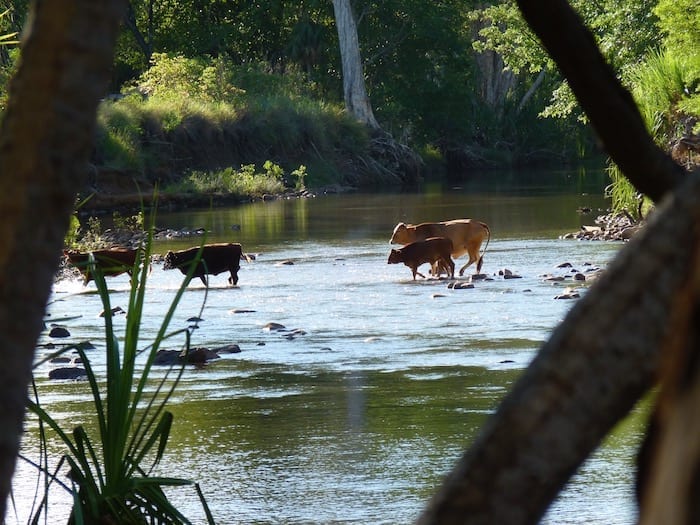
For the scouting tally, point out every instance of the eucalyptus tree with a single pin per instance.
(354, 91)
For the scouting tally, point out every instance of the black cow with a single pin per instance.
(216, 258)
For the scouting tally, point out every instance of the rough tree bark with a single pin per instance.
(669, 462)
(354, 90)
(607, 352)
(45, 141)
(495, 81)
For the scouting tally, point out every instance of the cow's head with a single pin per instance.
(402, 234)
(395, 257)
(169, 261)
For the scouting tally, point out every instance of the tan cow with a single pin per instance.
(466, 236)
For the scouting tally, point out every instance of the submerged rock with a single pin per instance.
(59, 332)
(194, 356)
(68, 372)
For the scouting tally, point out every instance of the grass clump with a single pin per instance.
(202, 121)
(244, 182)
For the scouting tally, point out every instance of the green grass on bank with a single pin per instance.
(666, 88)
(187, 118)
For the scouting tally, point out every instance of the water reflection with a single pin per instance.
(356, 217)
(357, 420)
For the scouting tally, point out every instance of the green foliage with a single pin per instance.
(666, 88)
(88, 237)
(299, 177)
(624, 30)
(8, 52)
(111, 470)
(91, 236)
(132, 223)
(229, 116)
(660, 85)
(680, 22)
(244, 182)
(419, 68)
(72, 235)
(208, 80)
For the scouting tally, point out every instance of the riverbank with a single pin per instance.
(126, 193)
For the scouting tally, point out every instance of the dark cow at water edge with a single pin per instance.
(110, 261)
(216, 258)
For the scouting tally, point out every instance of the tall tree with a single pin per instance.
(45, 141)
(354, 89)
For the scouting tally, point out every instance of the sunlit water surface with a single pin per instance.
(356, 416)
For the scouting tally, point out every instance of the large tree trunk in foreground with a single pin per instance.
(607, 352)
(354, 90)
(45, 141)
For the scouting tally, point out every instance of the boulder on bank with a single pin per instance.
(609, 227)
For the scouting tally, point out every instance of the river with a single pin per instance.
(357, 411)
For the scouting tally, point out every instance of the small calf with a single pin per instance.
(436, 251)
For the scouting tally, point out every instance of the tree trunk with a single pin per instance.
(45, 141)
(495, 81)
(531, 90)
(354, 90)
(146, 46)
(607, 352)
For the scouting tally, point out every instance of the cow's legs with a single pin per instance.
(461, 270)
(449, 266)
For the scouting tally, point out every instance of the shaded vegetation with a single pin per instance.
(202, 88)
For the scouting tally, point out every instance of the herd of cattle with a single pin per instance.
(434, 243)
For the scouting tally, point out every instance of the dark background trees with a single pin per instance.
(461, 82)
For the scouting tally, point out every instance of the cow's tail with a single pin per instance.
(481, 257)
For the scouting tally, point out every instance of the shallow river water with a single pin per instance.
(356, 416)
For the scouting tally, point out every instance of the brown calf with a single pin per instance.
(435, 251)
